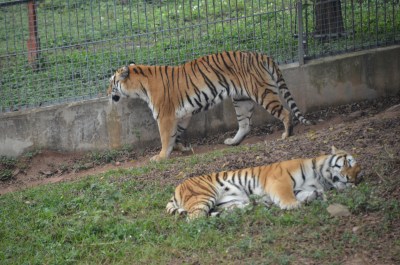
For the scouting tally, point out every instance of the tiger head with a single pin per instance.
(344, 169)
(116, 82)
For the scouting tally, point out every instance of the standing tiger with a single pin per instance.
(286, 184)
(174, 94)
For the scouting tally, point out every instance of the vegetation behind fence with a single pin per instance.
(80, 43)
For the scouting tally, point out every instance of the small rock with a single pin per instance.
(47, 173)
(355, 229)
(88, 165)
(16, 172)
(354, 115)
(357, 259)
(338, 210)
(181, 175)
(117, 163)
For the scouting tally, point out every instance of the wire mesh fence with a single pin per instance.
(338, 26)
(54, 51)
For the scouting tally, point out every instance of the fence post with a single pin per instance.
(300, 31)
(33, 42)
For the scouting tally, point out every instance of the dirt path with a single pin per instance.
(46, 166)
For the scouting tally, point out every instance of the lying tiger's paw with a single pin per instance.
(290, 205)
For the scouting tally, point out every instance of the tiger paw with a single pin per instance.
(285, 135)
(319, 194)
(290, 206)
(157, 158)
(182, 148)
(230, 141)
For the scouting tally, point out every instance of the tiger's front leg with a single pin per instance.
(168, 132)
(307, 196)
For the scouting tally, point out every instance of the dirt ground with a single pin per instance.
(366, 126)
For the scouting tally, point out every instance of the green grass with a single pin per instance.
(7, 165)
(82, 42)
(119, 217)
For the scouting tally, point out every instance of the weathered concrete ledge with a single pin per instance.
(97, 124)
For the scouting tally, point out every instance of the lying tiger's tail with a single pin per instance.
(284, 91)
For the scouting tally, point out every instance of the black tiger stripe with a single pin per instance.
(205, 96)
(192, 64)
(209, 83)
(291, 177)
(206, 65)
(218, 180)
(226, 64)
(141, 71)
(245, 177)
(222, 81)
(239, 177)
(271, 102)
(296, 192)
(189, 100)
(198, 102)
(226, 202)
(186, 78)
(217, 63)
(274, 110)
(314, 163)
(251, 191)
(302, 173)
(225, 175)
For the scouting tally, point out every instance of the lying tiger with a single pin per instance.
(174, 94)
(286, 184)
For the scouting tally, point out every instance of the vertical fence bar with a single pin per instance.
(300, 31)
(33, 41)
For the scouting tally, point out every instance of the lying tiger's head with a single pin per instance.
(344, 168)
(115, 87)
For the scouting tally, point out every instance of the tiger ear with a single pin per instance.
(123, 73)
(334, 150)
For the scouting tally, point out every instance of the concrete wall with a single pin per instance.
(97, 124)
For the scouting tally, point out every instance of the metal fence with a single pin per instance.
(54, 51)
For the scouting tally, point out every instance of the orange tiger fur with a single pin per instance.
(174, 94)
(286, 184)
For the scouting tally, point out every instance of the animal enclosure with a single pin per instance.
(55, 51)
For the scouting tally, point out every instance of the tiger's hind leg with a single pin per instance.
(244, 111)
(198, 211)
(274, 106)
(181, 128)
(172, 208)
(281, 194)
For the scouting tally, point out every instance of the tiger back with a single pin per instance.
(286, 184)
(175, 93)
